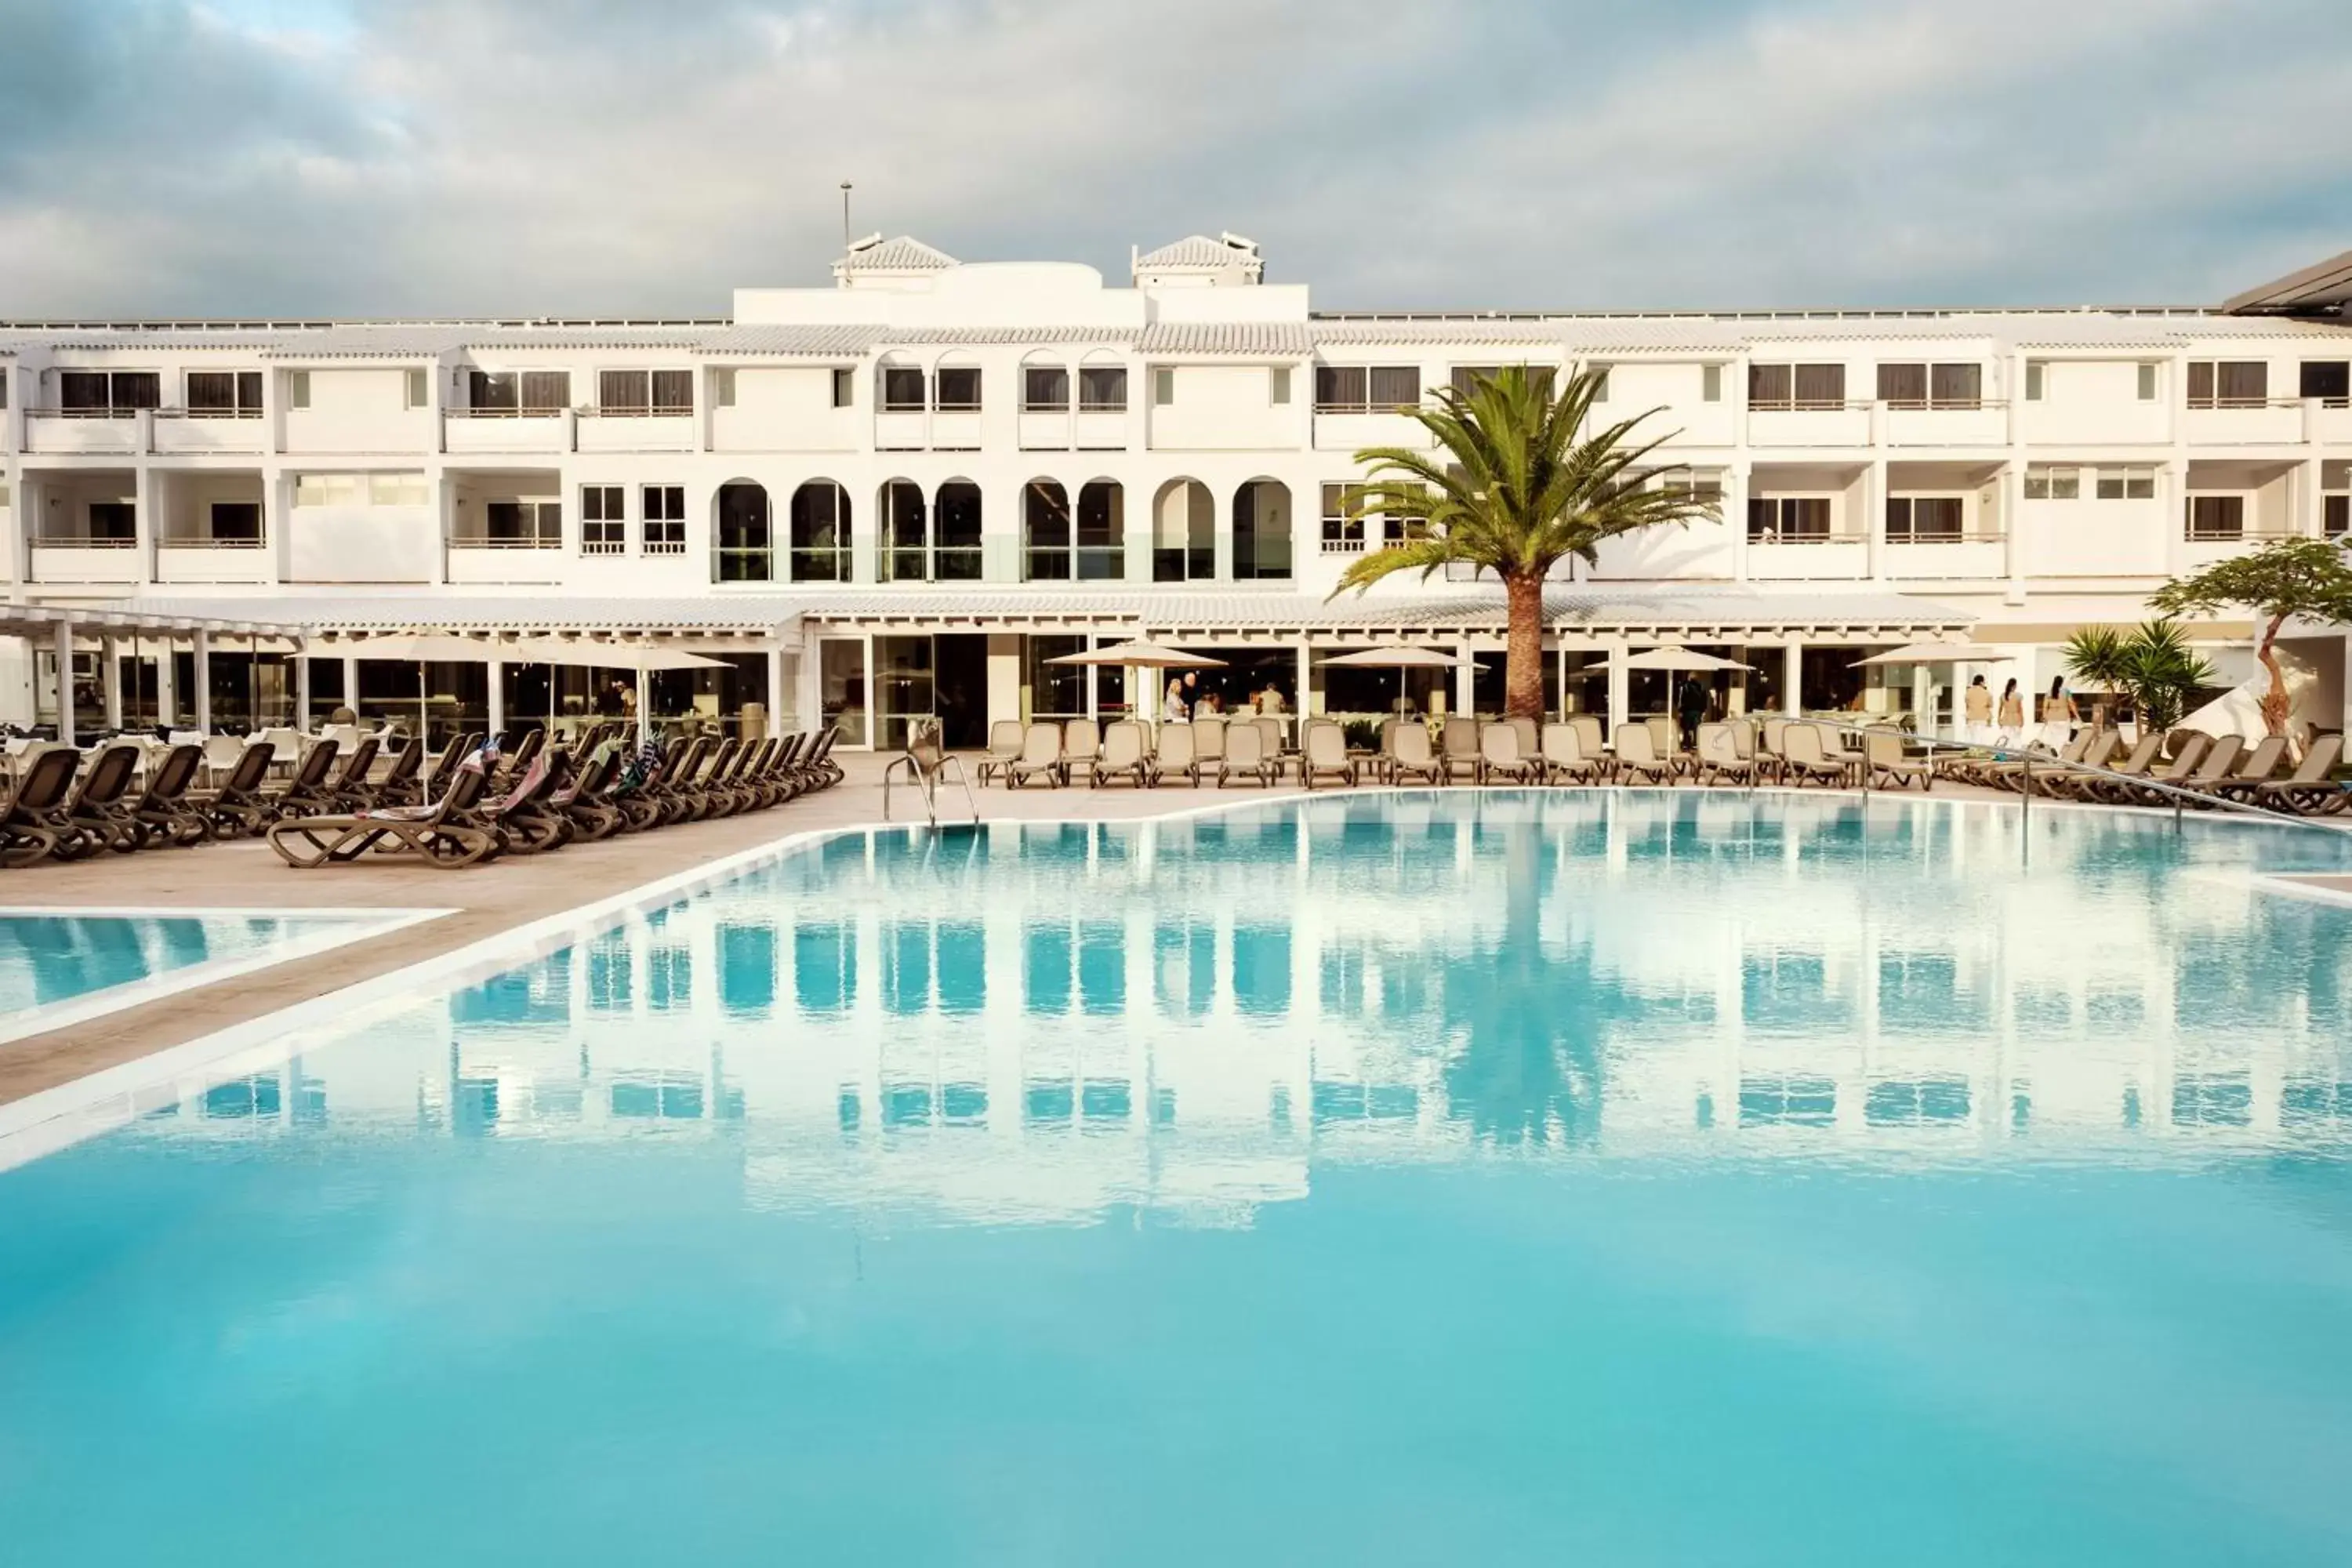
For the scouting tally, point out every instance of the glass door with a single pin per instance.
(906, 687)
(841, 687)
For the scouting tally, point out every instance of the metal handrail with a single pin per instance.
(2025, 756)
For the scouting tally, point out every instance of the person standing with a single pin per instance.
(2009, 722)
(2058, 715)
(1172, 708)
(1690, 710)
(1976, 709)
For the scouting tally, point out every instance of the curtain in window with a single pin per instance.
(249, 391)
(1768, 386)
(1958, 385)
(902, 389)
(546, 391)
(211, 392)
(138, 389)
(1340, 386)
(1395, 386)
(959, 389)
(1820, 385)
(1045, 389)
(1903, 385)
(1102, 389)
(495, 390)
(2244, 380)
(673, 391)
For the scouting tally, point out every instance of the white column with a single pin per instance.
(646, 706)
(1465, 676)
(302, 685)
(1792, 678)
(1873, 521)
(64, 645)
(167, 682)
(203, 682)
(147, 489)
(2308, 523)
(498, 687)
(1306, 689)
(1621, 687)
(351, 685)
(775, 687)
(1737, 483)
(109, 681)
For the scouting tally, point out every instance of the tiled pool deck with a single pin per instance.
(484, 903)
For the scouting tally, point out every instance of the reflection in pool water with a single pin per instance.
(1644, 1179)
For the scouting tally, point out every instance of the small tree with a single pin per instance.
(2161, 672)
(1513, 487)
(2095, 656)
(2291, 577)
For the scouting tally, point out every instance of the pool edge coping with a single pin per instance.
(98, 1102)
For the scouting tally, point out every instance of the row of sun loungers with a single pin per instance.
(2208, 770)
(543, 800)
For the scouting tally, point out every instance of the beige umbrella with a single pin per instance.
(1674, 657)
(588, 653)
(421, 648)
(1394, 656)
(1934, 653)
(1140, 654)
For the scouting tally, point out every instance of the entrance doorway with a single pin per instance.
(962, 674)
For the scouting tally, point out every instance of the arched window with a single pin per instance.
(905, 545)
(1262, 529)
(745, 551)
(1102, 532)
(900, 385)
(1183, 533)
(1044, 386)
(1044, 532)
(820, 532)
(955, 547)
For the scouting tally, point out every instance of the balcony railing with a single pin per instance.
(1773, 536)
(1805, 405)
(198, 541)
(1938, 405)
(1362, 405)
(2233, 533)
(503, 413)
(2223, 400)
(106, 413)
(1974, 537)
(208, 413)
(664, 411)
(483, 541)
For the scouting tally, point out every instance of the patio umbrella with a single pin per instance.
(1674, 657)
(1399, 657)
(1140, 654)
(642, 656)
(420, 648)
(1934, 653)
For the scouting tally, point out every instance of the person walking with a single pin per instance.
(2058, 715)
(1975, 708)
(2009, 721)
(1690, 710)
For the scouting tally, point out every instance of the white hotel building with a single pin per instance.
(901, 495)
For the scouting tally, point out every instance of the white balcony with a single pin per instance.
(2120, 421)
(2329, 422)
(1975, 556)
(359, 431)
(2199, 551)
(49, 430)
(1836, 558)
(483, 561)
(780, 428)
(1829, 425)
(1104, 430)
(1982, 423)
(1352, 431)
(2092, 538)
(493, 430)
(2276, 421)
(201, 560)
(363, 543)
(74, 560)
(901, 430)
(1046, 430)
(177, 430)
(955, 430)
(634, 433)
(1682, 425)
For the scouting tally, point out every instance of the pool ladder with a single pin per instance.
(926, 763)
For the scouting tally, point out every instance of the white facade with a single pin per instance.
(1019, 449)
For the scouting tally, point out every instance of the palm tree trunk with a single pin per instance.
(2274, 702)
(1523, 660)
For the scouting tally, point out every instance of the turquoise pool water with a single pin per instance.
(46, 959)
(1646, 1179)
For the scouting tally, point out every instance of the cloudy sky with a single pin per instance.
(378, 157)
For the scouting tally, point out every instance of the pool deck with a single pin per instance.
(482, 902)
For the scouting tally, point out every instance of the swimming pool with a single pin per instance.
(1432, 1178)
(62, 966)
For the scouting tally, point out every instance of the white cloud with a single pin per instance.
(492, 154)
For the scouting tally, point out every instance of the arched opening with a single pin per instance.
(955, 544)
(899, 385)
(1183, 533)
(820, 532)
(745, 547)
(905, 543)
(1102, 382)
(1102, 531)
(1262, 529)
(1044, 385)
(955, 383)
(1044, 532)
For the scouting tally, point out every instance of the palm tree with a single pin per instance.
(1512, 488)
(2095, 657)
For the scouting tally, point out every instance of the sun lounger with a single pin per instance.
(2181, 773)
(307, 793)
(1121, 757)
(1177, 758)
(1040, 758)
(2311, 790)
(2078, 786)
(1638, 758)
(1245, 757)
(37, 825)
(1884, 755)
(1803, 758)
(2261, 766)
(1501, 756)
(450, 834)
(1719, 757)
(163, 811)
(98, 805)
(1323, 755)
(398, 786)
(521, 819)
(347, 788)
(1081, 743)
(2010, 773)
(1565, 758)
(1413, 757)
(1458, 749)
(1003, 748)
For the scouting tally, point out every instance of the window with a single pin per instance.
(1342, 534)
(224, 394)
(2148, 384)
(1365, 389)
(1710, 383)
(113, 520)
(391, 489)
(1102, 389)
(959, 389)
(97, 394)
(604, 519)
(820, 533)
(534, 393)
(2221, 518)
(1705, 486)
(520, 525)
(2335, 503)
(397, 489)
(639, 393)
(297, 389)
(2044, 483)
(1045, 389)
(663, 515)
(1163, 387)
(1790, 387)
(2126, 484)
(1600, 382)
(723, 388)
(844, 386)
(2227, 384)
(2327, 378)
(2035, 372)
(236, 522)
(902, 389)
(1922, 520)
(1788, 519)
(1931, 386)
(415, 391)
(1278, 386)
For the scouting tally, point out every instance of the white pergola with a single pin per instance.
(60, 626)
